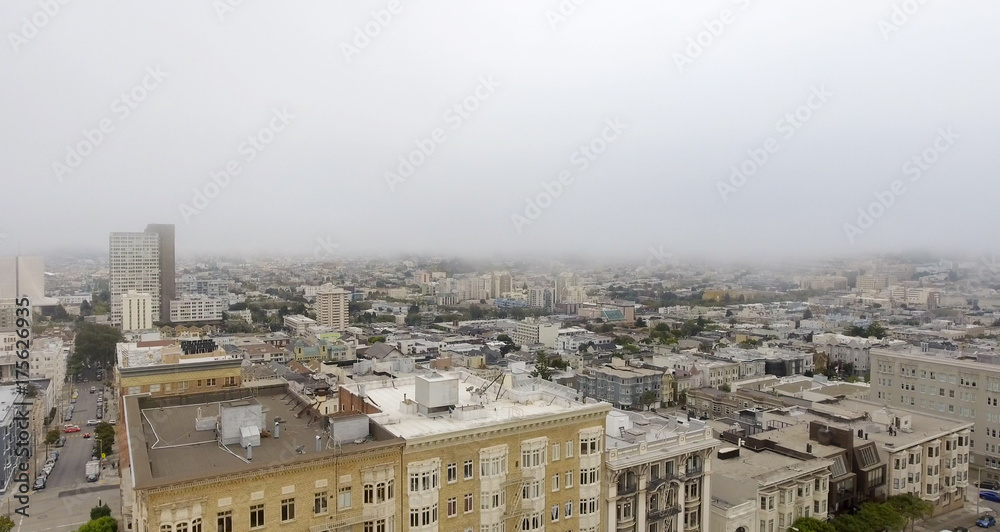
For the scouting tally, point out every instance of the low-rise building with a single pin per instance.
(197, 308)
(622, 386)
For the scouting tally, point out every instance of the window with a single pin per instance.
(320, 502)
(423, 480)
(452, 507)
(468, 469)
(590, 444)
(225, 521)
(452, 473)
(492, 466)
(375, 526)
(257, 516)
(287, 510)
(209, 382)
(492, 500)
(166, 528)
(532, 489)
(569, 449)
(588, 506)
(196, 524)
(569, 479)
(343, 498)
(555, 482)
(589, 476)
(423, 516)
(554, 515)
(569, 510)
(467, 507)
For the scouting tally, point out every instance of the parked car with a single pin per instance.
(71, 428)
(112, 421)
(93, 389)
(989, 495)
(986, 521)
(988, 485)
(40, 483)
(91, 422)
(54, 455)
(61, 442)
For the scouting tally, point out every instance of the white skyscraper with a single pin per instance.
(134, 265)
(331, 307)
(137, 311)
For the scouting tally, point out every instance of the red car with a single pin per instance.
(71, 428)
(87, 435)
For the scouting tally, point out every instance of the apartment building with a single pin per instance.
(490, 456)
(190, 284)
(197, 308)
(171, 367)
(848, 350)
(620, 385)
(531, 331)
(949, 384)
(134, 264)
(137, 311)
(658, 473)
(781, 488)
(332, 307)
(9, 461)
(236, 462)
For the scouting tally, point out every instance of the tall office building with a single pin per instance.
(168, 287)
(331, 307)
(134, 264)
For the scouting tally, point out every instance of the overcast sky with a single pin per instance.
(672, 95)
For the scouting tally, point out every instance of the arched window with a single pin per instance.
(196, 524)
(181, 527)
(166, 528)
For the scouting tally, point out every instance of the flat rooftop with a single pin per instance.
(766, 467)
(514, 405)
(166, 447)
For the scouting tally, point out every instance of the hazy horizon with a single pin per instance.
(828, 105)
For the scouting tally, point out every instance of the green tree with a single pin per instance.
(726, 388)
(542, 368)
(98, 512)
(911, 507)
(807, 314)
(811, 524)
(881, 516)
(104, 524)
(6, 523)
(52, 436)
(850, 523)
(95, 344)
(105, 433)
(648, 398)
(372, 340)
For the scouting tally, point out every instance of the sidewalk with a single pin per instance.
(965, 516)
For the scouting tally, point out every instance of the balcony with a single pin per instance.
(628, 489)
(655, 483)
(660, 513)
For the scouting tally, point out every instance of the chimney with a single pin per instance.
(249, 453)
(277, 430)
(319, 443)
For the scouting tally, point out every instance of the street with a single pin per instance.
(65, 502)
(965, 516)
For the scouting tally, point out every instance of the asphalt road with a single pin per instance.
(73, 457)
